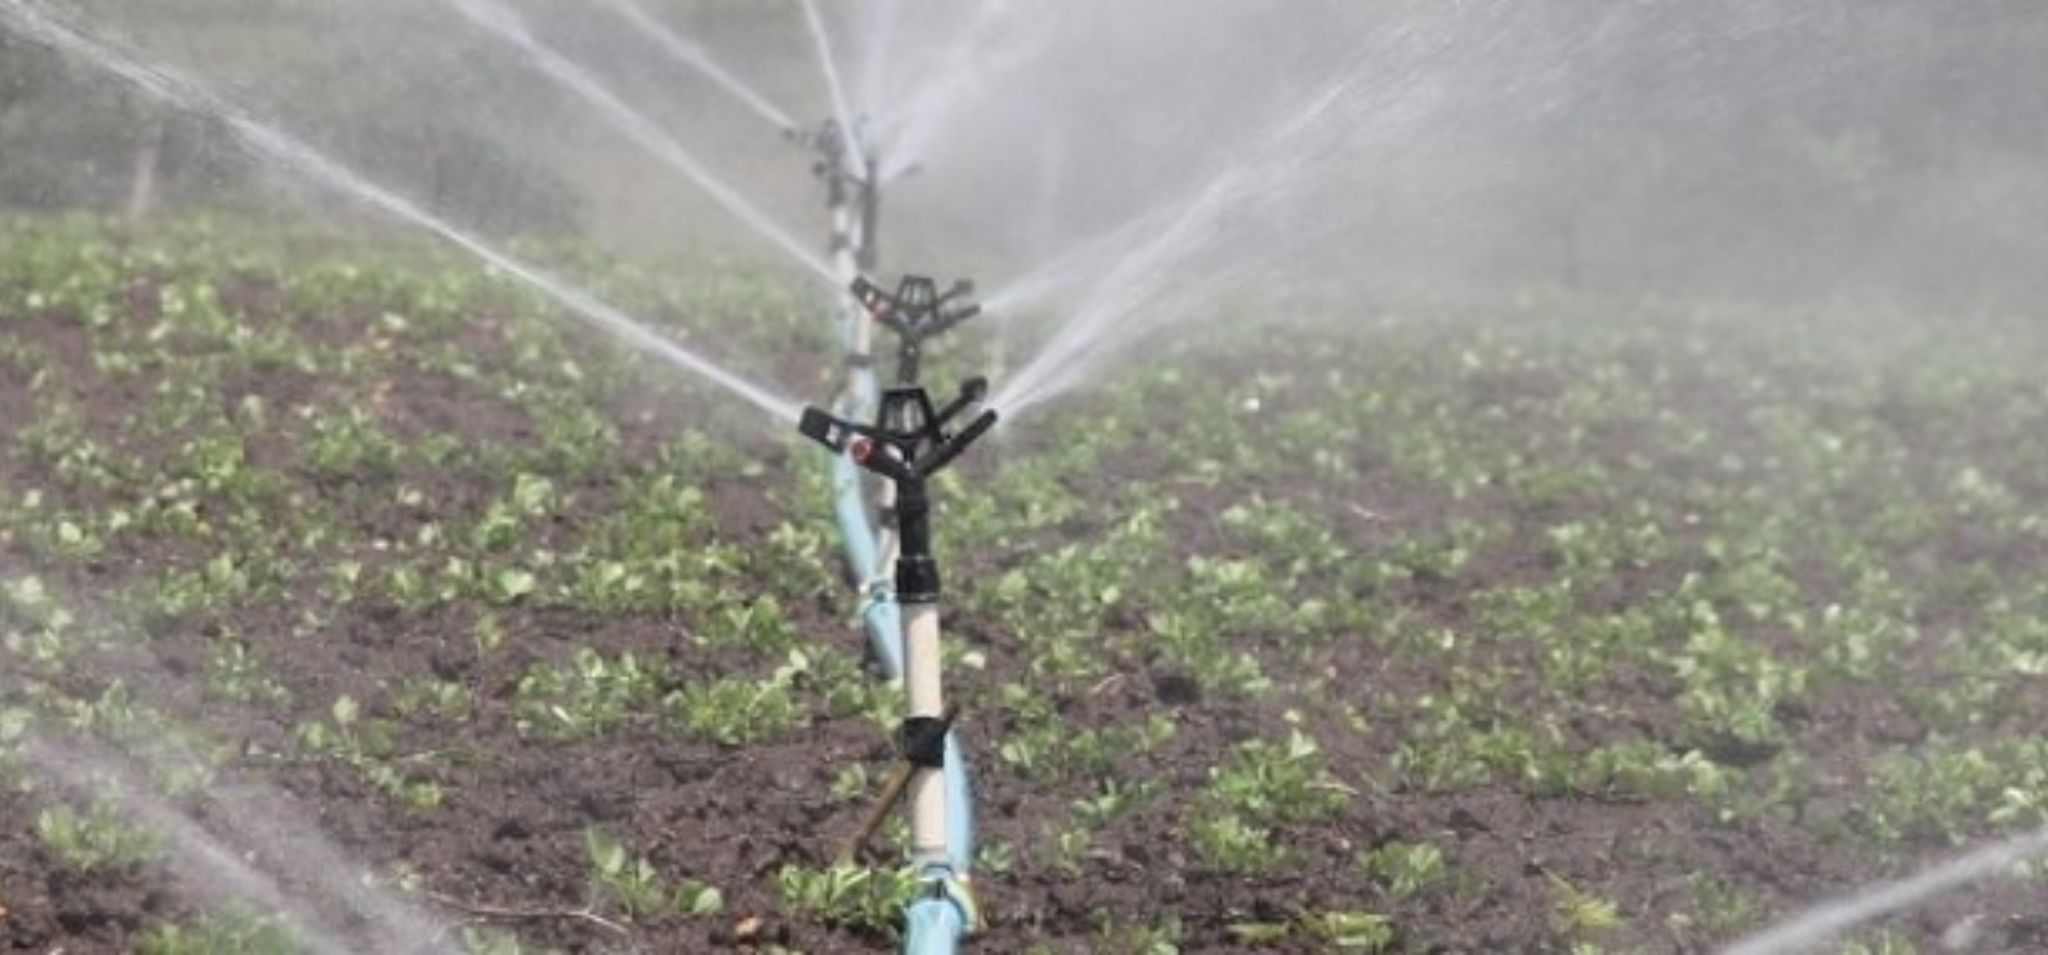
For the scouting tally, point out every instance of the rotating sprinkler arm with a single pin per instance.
(929, 434)
(916, 312)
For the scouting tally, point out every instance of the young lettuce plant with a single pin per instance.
(97, 840)
(238, 930)
(639, 888)
(845, 895)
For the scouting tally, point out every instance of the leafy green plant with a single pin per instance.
(1353, 931)
(1579, 915)
(97, 840)
(238, 675)
(587, 696)
(849, 896)
(738, 710)
(236, 930)
(1229, 842)
(1405, 869)
(1126, 936)
(1279, 782)
(639, 888)
(367, 745)
(349, 444)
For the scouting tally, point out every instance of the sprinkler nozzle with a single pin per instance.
(823, 428)
(871, 297)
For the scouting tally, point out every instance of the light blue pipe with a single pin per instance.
(883, 620)
(959, 807)
(933, 925)
(856, 534)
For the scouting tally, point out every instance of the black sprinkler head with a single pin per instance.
(907, 445)
(839, 160)
(916, 311)
(910, 440)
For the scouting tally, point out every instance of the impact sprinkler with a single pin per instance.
(909, 443)
(851, 192)
(916, 311)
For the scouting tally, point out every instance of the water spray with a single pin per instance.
(914, 126)
(273, 145)
(1823, 922)
(697, 58)
(876, 52)
(836, 90)
(506, 24)
(908, 444)
(224, 874)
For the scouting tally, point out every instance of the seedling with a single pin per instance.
(235, 929)
(98, 840)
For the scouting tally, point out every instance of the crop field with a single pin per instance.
(1553, 625)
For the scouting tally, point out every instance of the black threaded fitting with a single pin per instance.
(917, 579)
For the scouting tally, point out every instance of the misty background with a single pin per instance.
(1862, 151)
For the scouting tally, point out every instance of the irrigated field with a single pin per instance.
(1564, 626)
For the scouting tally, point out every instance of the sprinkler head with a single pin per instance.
(916, 312)
(910, 440)
(846, 169)
(829, 431)
(908, 443)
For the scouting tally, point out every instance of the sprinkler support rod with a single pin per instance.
(852, 201)
(870, 210)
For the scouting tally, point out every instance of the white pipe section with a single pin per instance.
(921, 679)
